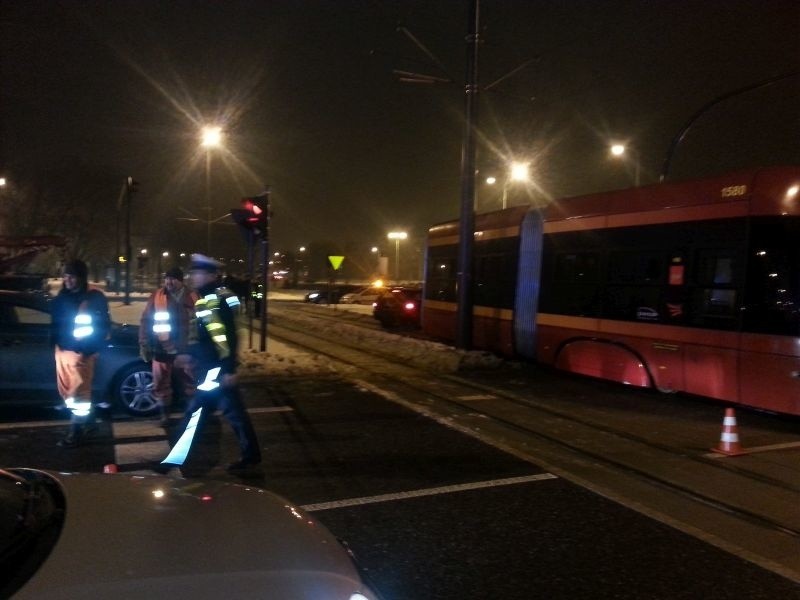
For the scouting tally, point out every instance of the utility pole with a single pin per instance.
(131, 187)
(265, 273)
(467, 222)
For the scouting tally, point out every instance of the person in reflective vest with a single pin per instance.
(79, 329)
(165, 332)
(216, 353)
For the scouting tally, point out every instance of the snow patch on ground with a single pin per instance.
(281, 359)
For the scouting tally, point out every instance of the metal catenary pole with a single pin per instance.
(128, 249)
(265, 274)
(467, 222)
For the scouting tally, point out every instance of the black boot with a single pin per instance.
(164, 420)
(73, 438)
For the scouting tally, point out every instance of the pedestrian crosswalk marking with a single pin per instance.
(447, 489)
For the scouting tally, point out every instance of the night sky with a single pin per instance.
(305, 93)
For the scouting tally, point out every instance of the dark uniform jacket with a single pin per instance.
(93, 307)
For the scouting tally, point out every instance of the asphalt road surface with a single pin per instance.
(429, 511)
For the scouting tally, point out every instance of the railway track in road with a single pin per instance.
(751, 514)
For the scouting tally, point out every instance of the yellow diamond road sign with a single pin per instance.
(336, 261)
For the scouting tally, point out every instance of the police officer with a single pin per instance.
(216, 353)
(79, 329)
(164, 337)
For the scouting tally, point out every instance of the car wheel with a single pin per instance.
(134, 390)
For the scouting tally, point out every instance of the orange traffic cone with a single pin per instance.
(729, 440)
(112, 468)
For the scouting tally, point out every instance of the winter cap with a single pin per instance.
(201, 262)
(77, 268)
(175, 273)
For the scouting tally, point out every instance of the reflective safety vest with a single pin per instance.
(161, 320)
(207, 312)
(83, 322)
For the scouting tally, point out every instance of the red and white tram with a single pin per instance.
(690, 286)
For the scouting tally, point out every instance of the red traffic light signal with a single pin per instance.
(254, 215)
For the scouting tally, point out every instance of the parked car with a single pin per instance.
(162, 537)
(398, 307)
(323, 296)
(367, 295)
(27, 366)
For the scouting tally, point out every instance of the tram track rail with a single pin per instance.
(580, 449)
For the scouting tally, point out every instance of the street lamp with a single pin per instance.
(397, 236)
(210, 138)
(164, 255)
(619, 151)
(518, 171)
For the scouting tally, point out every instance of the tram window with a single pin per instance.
(577, 267)
(714, 297)
(633, 303)
(495, 280)
(772, 303)
(714, 308)
(636, 267)
(713, 268)
(440, 281)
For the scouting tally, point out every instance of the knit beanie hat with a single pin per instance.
(77, 268)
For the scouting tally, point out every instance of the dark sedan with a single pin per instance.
(324, 296)
(398, 307)
(27, 367)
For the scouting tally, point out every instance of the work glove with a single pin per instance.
(145, 353)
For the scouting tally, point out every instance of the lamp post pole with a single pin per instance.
(211, 138)
(619, 151)
(208, 201)
(397, 236)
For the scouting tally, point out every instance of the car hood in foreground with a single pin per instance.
(129, 536)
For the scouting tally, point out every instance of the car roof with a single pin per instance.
(275, 545)
(32, 299)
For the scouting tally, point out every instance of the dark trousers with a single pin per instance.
(229, 402)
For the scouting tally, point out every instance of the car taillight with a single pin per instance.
(409, 306)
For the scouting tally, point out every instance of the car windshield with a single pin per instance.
(31, 517)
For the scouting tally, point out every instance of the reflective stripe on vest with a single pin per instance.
(83, 326)
(210, 382)
(79, 408)
(161, 319)
(207, 310)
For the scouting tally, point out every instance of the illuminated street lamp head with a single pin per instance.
(212, 136)
(617, 149)
(491, 180)
(519, 171)
(397, 235)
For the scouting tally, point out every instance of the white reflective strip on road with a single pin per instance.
(447, 489)
(140, 452)
(272, 409)
(755, 449)
(136, 452)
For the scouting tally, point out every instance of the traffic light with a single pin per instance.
(254, 215)
(133, 185)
